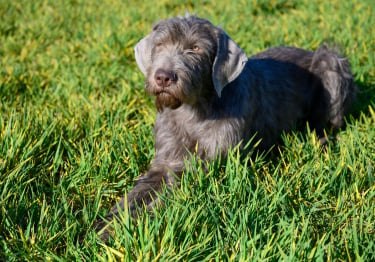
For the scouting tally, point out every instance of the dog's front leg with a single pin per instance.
(146, 188)
(144, 193)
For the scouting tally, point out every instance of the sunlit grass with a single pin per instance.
(76, 129)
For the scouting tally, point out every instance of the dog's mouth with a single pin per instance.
(162, 93)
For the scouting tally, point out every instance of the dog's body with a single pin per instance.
(211, 96)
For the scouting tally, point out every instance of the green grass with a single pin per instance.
(76, 129)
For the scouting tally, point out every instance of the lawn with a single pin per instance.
(76, 129)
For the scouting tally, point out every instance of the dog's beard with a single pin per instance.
(164, 97)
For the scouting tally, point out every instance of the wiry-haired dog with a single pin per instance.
(210, 97)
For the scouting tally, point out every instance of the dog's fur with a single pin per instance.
(211, 97)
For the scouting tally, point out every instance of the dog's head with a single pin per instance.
(186, 60)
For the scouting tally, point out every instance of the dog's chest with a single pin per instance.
(207, 137)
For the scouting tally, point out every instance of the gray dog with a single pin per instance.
(210, 97)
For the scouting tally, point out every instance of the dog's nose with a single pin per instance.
(164, 78)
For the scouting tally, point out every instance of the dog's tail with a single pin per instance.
(337, 79)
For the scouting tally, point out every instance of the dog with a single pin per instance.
(211, 97)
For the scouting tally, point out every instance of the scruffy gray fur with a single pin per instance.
(210, 97)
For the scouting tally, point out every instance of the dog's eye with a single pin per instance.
(195, 48)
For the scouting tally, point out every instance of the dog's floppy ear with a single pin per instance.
(229, 61)
(142, 52)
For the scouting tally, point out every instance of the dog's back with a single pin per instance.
(333, 73)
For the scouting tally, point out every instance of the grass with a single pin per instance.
(76, 129)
